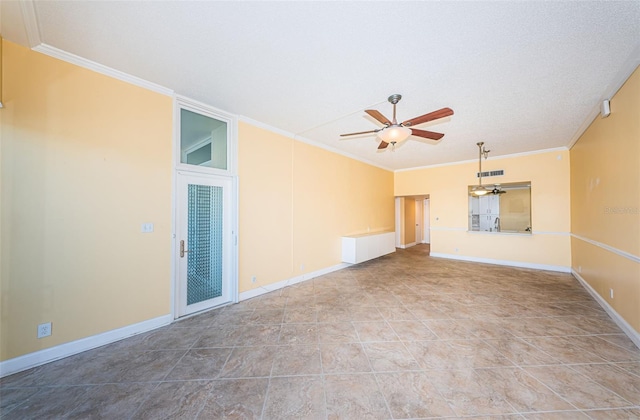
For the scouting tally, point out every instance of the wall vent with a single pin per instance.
(490, 173)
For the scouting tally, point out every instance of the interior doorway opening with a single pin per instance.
(412, 220)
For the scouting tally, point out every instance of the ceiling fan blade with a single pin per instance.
(360, 132)
(383, 145)
(378, 116)
(435, 115)
(426, 134)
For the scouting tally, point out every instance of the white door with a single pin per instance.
(427, 226)
(203, 242)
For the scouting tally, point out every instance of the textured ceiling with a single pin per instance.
(520, 76)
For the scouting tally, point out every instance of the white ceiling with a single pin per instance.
(520, 76)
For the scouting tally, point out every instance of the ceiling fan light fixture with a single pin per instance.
(480, 191)
(394, 134)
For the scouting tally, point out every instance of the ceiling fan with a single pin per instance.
(497, 190)
(394, 132)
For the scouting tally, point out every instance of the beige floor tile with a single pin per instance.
(389, 357)
(375, 331)
(576, 388)
(52, 403)
(539, 327)
(298, 397)
(203, 363)
(397, 313)
(339, 332)
(521, 390)
(235, 399)
(365, 313)
(299, 334)
(521, 353)
(412, 330)
(620, 340)
(437, 337)
(249, 335)
(354, 397)
(112, 401)
(613, 378)
(246, 362)
(467, 395)
(622, 414)
(297, 360)
(563, 349)
(606, 350)
(448, 329)
(411, 395)
(558, 415)
(300, 315)
(175, 400)
(633, 367)
(344, 358)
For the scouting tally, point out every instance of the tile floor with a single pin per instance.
(403, 336)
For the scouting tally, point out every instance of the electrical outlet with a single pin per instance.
(611, 293)
(44, 330)
(301, 267)
(253, 279)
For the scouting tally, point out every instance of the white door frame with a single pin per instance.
(427, 221)
(181, 102)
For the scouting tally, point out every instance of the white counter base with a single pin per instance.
(360, 248)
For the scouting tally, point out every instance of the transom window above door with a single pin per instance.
(203, 140)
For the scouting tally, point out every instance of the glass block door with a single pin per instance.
(204, 242)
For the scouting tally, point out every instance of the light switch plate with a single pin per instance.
(147, 228)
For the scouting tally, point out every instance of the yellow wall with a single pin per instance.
(515, 210)
(85, 160)
(550, 210)
(297, 200)
(605, 203)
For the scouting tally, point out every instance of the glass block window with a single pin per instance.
(204, 233)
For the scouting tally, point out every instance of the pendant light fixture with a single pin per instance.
(479, 189)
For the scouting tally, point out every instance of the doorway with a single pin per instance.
(205, 238)
(412, 220)
(204, 235)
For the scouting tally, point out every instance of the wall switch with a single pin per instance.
(611, 293)
(44, 330)
(146, 228)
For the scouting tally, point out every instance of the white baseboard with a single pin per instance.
(535, 266)
(405, 246)
(61, 351)
(624, 325)
(261, 290)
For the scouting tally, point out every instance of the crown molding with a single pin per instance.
(491, 158)
(302, 139)
(30, 21)
(102, 69)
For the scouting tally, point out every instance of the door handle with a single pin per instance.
(182, 250)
